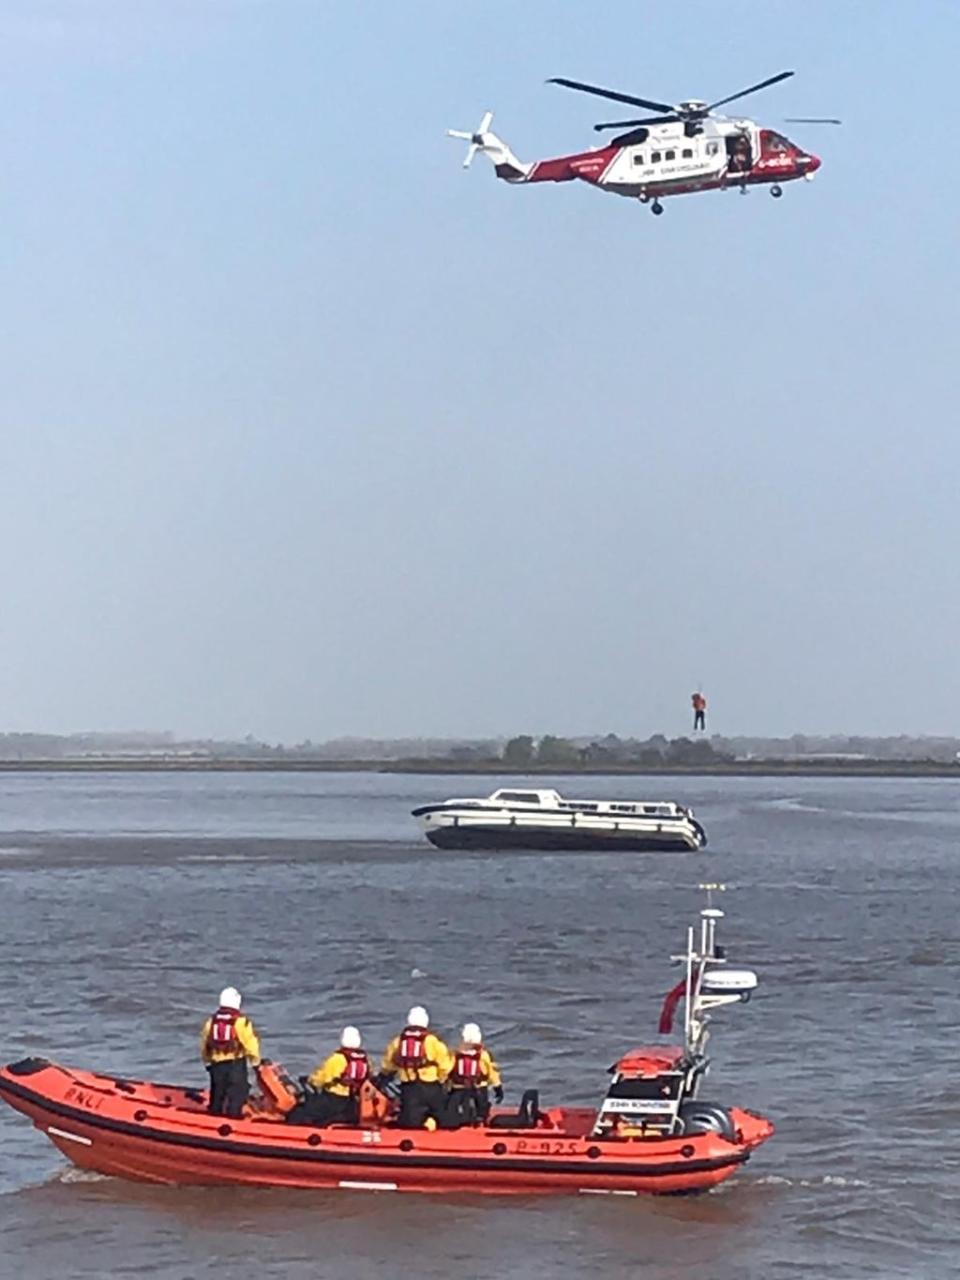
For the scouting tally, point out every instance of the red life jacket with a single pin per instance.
(411, 1051)
(222, 1036)
(356, 1069)
(466, 1067)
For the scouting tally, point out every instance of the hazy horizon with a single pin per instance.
(310, 434)
(504, 736)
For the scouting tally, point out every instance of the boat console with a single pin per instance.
(654, 1090)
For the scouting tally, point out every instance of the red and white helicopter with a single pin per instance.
(684, 148)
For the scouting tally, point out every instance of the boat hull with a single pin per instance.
(501, 835)
(162, 1134)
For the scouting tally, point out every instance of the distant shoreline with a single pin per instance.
(729, 769)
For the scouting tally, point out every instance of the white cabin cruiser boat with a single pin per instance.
(541, 819)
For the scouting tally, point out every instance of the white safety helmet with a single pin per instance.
(418, 1017)
(230, 998)
(350, 1038)
(471, 1033)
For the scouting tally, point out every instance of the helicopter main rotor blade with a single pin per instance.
(811, 120)
(609, 93)
(754, 88)
(633, 124)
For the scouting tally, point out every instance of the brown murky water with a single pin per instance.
(129, 900)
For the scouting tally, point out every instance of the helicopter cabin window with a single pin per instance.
(638, 158)
(712, 148)
(687, 153)
(655, 157)
(670, 155)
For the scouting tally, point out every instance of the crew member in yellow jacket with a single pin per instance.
(228, 1042)
(333, 1089)
(473, 1075)
(423, 1062)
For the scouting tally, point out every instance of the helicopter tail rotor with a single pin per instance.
(475, 139)
(481, 139)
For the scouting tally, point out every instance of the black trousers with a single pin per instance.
(319, 1109)
(700, 720)
(418, 1101)
(229, 1087)
(467, 1106)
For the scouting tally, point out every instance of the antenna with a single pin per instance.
(710, 890)
(708, 982)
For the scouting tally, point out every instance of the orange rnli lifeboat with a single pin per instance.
(651, 1132)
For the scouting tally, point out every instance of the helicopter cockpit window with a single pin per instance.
(713, 148)
(776, 143)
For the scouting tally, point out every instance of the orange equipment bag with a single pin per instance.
(375, 1107)
(279, 1091)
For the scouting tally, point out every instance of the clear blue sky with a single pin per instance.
(306, 431)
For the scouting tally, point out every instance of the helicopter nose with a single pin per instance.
(809, 163)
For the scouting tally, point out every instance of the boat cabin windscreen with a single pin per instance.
(668, 1085)
(517, 797)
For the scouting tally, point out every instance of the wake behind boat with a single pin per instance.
(542, 819)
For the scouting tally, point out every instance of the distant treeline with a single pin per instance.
(562, 753)
(521, 752)
(659, 750)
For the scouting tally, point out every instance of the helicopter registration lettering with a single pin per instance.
(548, 1147)
(775, 162)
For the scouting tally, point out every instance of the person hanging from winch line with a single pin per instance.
(228, 1042)
(333, 1089)
(699, 711)
(423, 1062)
(472, 1077)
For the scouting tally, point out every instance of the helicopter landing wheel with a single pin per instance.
(776, 191)
(656, 208)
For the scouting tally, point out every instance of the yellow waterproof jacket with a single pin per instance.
(328, 1076)
(489, 1073)
(438, 1061)
(248, 1043)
